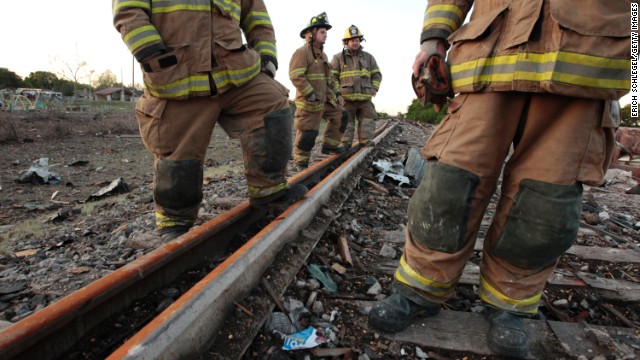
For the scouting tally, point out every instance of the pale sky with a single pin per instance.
(37, 34)
(42, 35)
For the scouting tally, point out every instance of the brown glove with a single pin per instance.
(433, 86)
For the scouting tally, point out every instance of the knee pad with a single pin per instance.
(178, 183)
(344, 121)
(541, 225)
(278, 126)
(440, 207)
(307, 140)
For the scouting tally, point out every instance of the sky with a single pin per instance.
(40, 36)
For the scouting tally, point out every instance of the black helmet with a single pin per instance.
(318, 21)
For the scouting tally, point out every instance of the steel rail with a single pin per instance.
(50, 332)
(189, 326)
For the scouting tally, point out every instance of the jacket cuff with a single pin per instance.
(149, 51)
(434, 34)
(268, 58)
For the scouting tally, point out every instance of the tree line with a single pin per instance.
(50, 81)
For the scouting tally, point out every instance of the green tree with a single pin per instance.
(382, 115)
(9, 79)
(626, 119)
(106, 80)
(42, 80)
(417, 112)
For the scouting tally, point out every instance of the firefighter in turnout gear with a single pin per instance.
(536, 82)
(198, 72)
(357, 77)
(310, 73)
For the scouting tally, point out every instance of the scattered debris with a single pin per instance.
(39, 173)
(116, 187)
(394, 170)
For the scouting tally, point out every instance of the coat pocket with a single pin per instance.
(163, 71)
(474, 29)
(593, 17)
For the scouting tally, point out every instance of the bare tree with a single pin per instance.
(73, 71)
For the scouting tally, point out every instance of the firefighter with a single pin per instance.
(310, 73)
(357, 77)
(539, 76)
(198, 72)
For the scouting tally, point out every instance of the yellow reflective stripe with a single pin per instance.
(229, 6)
(445, 9)
(180, 88)
(119, 4)
(266, 48)
(301, 159)
(256, 18)
(558, 66)
(441, 21)
(297, 72)
(355, 73)
(407, 275)
(161, 7)
(492, 296)
(141, 36)
(317, 76)
(310, 108)
(375, 84)
(335, 72)
(307, 90)
(236, 77)
(448, 15)
(163, 221)
(257, 192)
(357, 97)
(332, 142)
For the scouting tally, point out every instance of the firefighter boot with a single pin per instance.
(280, 200)
(394, 313)
(155, 238)
(507, 333)
(329, 150)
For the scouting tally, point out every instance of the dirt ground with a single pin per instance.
(57, 236)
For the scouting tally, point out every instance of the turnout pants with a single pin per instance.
(364, 112)
(558, 143)
(178, 132)
(307, 125)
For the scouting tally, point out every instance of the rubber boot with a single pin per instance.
(507, 334)
(394, 313)
(327, 150)
(280, 200)
(171, 232)
(155, 238)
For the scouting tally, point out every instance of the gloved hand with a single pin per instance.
(312, 97)
(269, 68)
(431, 79)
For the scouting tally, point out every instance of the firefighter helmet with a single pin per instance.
(318, 21)
(352, 32)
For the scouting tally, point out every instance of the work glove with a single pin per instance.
(269, 68)
(431, 79)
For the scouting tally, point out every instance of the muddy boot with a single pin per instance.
(328, 150)
(280, 200)
(301, 166)
(153, 239)
(394, 313)
(171, 232)
(507, 333)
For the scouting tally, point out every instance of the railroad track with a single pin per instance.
(187, 327)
